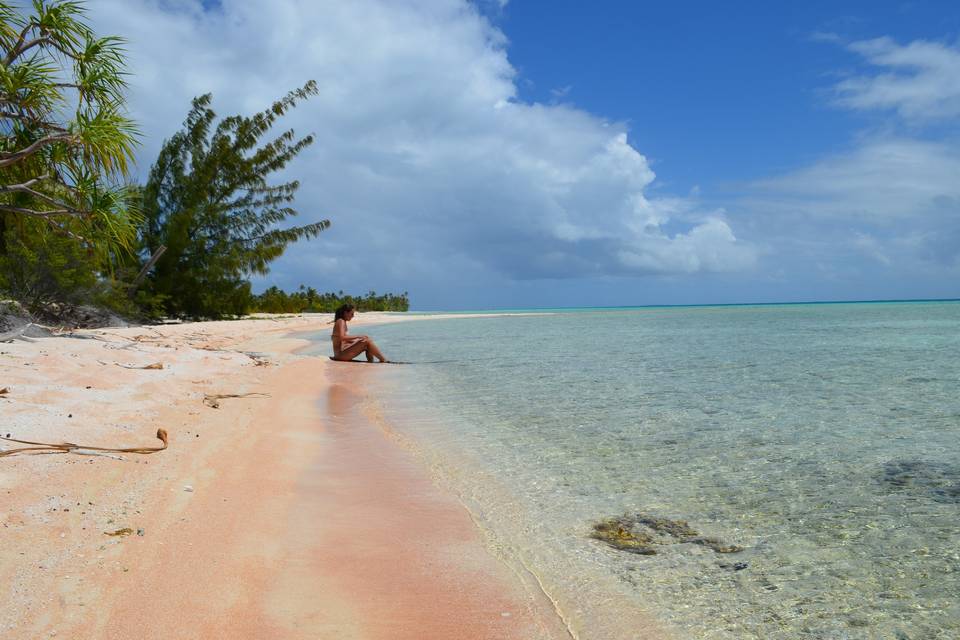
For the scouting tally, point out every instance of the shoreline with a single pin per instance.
(236, 530)
(591, 605)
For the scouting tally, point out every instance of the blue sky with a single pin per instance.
(488, 154)
(715, 92)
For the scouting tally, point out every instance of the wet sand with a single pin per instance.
(287, 516)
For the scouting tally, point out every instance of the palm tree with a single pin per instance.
(65, 141)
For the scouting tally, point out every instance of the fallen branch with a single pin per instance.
(69, 447)
(213, 400)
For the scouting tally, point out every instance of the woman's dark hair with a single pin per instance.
(342, 311)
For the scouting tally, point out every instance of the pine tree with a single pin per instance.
(208, 202)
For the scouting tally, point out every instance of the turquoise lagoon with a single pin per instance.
(822, 438)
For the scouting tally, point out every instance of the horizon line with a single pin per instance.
(689, 305)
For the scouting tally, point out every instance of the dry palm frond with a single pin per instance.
(69, 447)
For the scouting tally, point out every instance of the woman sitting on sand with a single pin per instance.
(346, 347)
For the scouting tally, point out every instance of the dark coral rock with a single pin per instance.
(939, 481)
(639, 533)
(675, 528)
(617, 533)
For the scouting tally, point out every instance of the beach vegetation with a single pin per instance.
(40, 268)
(74, 232)
(212, 214)
(309, 300)
(67, 217)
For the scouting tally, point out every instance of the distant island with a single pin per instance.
(309, 300)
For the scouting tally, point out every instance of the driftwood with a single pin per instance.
(213, 400)
(69, 447)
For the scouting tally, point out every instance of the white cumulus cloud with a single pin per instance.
(427, 163)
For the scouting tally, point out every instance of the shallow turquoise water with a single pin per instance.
(823, 438)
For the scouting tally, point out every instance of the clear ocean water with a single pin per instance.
(824, 439)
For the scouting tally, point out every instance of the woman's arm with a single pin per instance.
(340, 329)
(340, 333)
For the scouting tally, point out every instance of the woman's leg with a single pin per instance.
(360, 346)
(373, 351)
(352, 351)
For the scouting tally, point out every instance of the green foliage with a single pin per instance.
(65, 142)
(66, 219)
(40, 267)
(73, 232)
(209, 203)
(307, 299)
(51, 274)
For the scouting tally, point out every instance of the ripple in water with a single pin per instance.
(824, 439)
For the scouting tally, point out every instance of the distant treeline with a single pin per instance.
(309, 300)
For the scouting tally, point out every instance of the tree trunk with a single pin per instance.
(146, 268)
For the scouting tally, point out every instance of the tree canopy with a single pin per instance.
(65, 145)
(65, 141)
(73, 231)
(209, 203)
